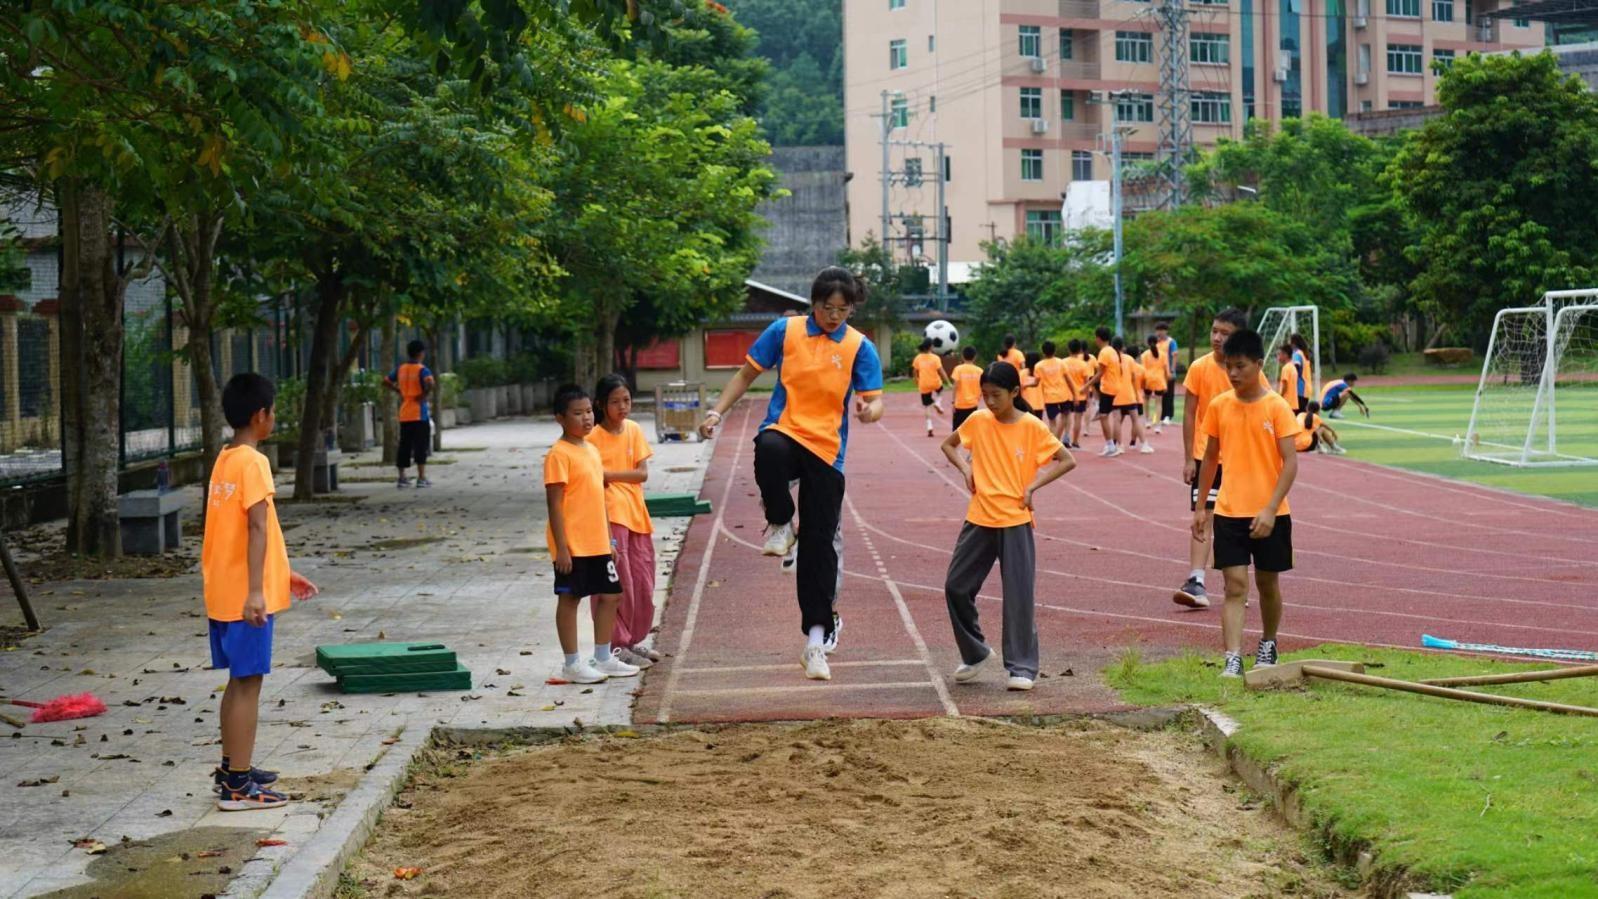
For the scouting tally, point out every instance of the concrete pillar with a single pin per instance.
(9, 306)
(50, 311)
(182, 400)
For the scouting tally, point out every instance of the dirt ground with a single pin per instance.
(920, 808)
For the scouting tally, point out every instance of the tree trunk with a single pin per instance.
(91, 380)
(191, 269)
(438, 354)
(388, 407)
(339, 375)
(330, 294)
(210, 393)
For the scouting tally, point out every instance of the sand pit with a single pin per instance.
(858, 808)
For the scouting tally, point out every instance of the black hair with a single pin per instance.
(837, 280)
(568, 394)
(1117, 344)
(1074, 346)
(1154, 342)
(246, 393)
(1162, 326)
(1351, 377)
(1285, 348)
(1297, 341)
(1102, 333)
(415, 348)
(1009, 341)
(926, 345)
(1048, 348)
(1233, 316)
(1312, 407)
(607, 385)
(1004, 376)
(1032, 360)
(968, 353)
(1246, 343)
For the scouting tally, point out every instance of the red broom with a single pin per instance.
(63, 708)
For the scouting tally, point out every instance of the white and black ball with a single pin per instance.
(944, 337)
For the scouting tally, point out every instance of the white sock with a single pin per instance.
(572, 658)
(1197, 574)
(818, 635)
(601, 652)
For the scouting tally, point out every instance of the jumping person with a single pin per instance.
(1058, 393)
(967, 377)
(1162, 333)
(930, 378)
(1337, 395)
(1155, 373)
(1251, 432)
(821, 363)
(1009, 450)
(1012, 354)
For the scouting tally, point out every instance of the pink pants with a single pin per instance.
(634, 554)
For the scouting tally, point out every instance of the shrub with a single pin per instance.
(363, 387)
(483, 371)
(524, 368)
(449, 390)
(903, 349)
(1374, 357)
(287, 406)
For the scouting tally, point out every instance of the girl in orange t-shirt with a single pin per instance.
(625, 453)
(1031, 387)
(1011, 452)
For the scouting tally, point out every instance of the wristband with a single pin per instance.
(713, 412)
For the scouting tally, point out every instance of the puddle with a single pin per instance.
(402, 542)
(169, 865)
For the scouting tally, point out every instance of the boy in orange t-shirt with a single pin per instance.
(930, 378)
(247, 580)
(1078, 372)
(1251, 431)
(1287, 380)
(580, 542)
(967, 378)
(414, 382)
(1057, 390)
(1009, 450)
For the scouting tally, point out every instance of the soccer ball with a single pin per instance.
(945, 339)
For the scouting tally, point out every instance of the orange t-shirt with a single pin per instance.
(967, 385)
(624, 503)
(1077, 372)
(1004, 460)
(1310, 424)
(1015, 357)
(1034, 394)
(1153, 371)
(240, 478)
(580, 469)
(1131, 377)
(1051, 374)
(413, 380)
(928, 369)
(1110, 367)
(1206, 379)
(1248, 433)
(1287, 383)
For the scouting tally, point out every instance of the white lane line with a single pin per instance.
(933, 673)
(818, 688)
(750, 669)
(692, 617)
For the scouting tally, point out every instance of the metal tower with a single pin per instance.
(1176, 115)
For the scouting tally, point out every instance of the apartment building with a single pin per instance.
(1018, 92)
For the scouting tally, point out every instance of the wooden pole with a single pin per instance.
(18, 587)
(1445, 692)
(1519, 677)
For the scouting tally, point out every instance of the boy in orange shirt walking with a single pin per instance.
(1009, 449)
(1250, 431)
(414, 382)
(930, 378)
(245, 567)
(967, 378)
(1058, 391)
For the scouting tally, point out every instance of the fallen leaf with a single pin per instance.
(39, 782)
(264, 842)
(164, 813)
(501, 672)
(628, 734)
(210, 853)
(407, 873)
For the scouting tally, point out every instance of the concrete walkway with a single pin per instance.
(463, 563)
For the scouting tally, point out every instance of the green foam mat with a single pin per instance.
(339, 659)
(675, 505)
(407, 682)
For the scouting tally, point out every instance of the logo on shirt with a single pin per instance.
(1019, 454)
(1270, 428)
(222, 492)
(837, 361)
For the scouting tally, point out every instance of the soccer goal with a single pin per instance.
(1537, 400)
(1281, 322)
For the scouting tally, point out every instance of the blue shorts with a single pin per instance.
(242, 648)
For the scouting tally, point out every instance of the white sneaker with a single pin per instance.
(829, 643)
(1109, 450)
(614, 667)
(967, 673)
(779, 540)
(1116, 451)
(1145, 449)
(636, 659)
(583, 672)
(1019, 683)
(815, 662)
(1159, 429)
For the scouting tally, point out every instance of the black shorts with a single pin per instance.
(1056, 410)
(590, 576)
(1128, 410)
(1303, 403)
(1038, 413)
(1106, 403)
(960, 415)
(1234, 547)
(1192, 501)
(926, 399)
(1080, 406)
(415, 439)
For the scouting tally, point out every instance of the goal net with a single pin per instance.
(1537, 401)
(1278, 325)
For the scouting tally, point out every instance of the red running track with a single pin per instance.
(1383, 556)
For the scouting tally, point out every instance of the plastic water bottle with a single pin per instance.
(163, 477)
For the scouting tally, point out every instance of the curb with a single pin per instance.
(1217, 730)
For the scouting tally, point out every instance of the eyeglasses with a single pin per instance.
(834, 311)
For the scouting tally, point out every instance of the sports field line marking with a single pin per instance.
(1501, 495)
(687, 635)
(749, 669)
(935, 676)
(827, 687)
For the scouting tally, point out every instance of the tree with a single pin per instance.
(803, 40)
(1030, 287)
(1499, 189)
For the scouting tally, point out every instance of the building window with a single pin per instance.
(898, 55)
(1031, 165)
(1364, 106)
(1134, 46)
(899, 113)
(1210, 2)
(1129, 156)
(1443, 10)
(1081, 165)
(896, 4)
(1405, 104)
(1212, 49)
(1044, 225)
(1031, 102)
(1031, 40)
(1404, 9)
(1134, 108)
(1522, 23)
(1442, 60)
(1066, 42)
(1404, 59)
(1364, 59)
(1211, 108)
(932, 104)
(1067, 106)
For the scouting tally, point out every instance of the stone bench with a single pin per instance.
(152, 522)
(324, 471)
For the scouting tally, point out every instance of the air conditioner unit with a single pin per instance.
(1362, 78)
(1359, 22)
(1280, 75)
(1039, 65)
(1040, 126)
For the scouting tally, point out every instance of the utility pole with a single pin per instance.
(916, 177)
(1176, 114)
(887, 173)
(1115, 205)
(943, 236)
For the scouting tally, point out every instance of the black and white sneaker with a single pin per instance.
(829, 643)
(1266, 654)
(1233, 667)
(1191, 594)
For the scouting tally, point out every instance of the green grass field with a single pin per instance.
(1415, 427)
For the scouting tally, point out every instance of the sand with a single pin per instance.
(926, 808)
